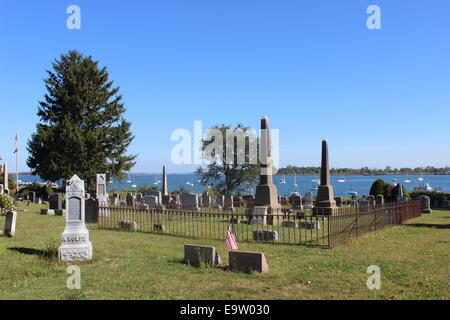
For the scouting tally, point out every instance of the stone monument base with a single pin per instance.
(75, 252)
(325, 211)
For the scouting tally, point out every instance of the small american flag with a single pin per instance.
(231, 241)
(16, 144)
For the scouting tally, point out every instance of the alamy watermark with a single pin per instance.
(74, 280)
(234, 146)
(74, 20)
(374, 280)
(374, 20)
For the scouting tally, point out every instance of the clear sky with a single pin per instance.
(380, 97)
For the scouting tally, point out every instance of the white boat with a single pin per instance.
(352, 192)
(407, 181)
(295, 181)
(134, 186)
(283, 180)
(314, 188)
(394, 179)
(316, 181)
(341, 179)
(420, 179)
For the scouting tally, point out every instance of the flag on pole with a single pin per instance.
(231, 241)
(16, 144)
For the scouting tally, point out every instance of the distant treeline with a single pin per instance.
(290, 170)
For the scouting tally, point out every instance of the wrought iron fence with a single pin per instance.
(291, 227)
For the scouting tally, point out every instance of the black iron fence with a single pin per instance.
(285, 226)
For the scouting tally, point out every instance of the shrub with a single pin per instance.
(377, 187)
(6, 204)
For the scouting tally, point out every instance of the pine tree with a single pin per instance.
(81, 130)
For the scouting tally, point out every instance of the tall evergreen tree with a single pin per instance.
(81, 129)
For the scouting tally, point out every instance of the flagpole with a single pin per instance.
(17, 162)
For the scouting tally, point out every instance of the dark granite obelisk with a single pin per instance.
(325, 203)
(266, 191)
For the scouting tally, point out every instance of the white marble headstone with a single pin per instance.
(75, 238)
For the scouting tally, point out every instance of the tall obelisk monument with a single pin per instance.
(266, 191)
(325, 203)
(165, 191)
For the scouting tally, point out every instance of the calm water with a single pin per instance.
(360, 184)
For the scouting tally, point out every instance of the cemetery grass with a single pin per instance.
(129, 265)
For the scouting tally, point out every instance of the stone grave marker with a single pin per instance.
(248, 262)
(75, 238)
(425, 203)
(196, 255)
(10, 224)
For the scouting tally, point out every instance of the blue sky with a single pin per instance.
(381, 97)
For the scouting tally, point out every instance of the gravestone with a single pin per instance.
(155, 193)
(310, 225)
(363, 205)
(189, 201)
(91, 210)
(288, 224)
(229, 203)
(56, 201)
(60, 212)
(102, 197)
(338, 201)
(167, 200)
(130, 200)
(10, 224)
(75, 238)
(309, 200)
(371, 200)
(196, 255)
(49, 212)
(206, 200)
(32, 196)
(266, 191)
(159, 227)
(379, 200)
(151, 201)
(259, 215)
(220, 200)
(325, 203)
(114, 200)
(128, 225)
(2, 189)
(284, 200)
(425, 203)
(446, 204)
(297, 202)
(235, 220)
(265, 235)
(5, 178)
(248, 262)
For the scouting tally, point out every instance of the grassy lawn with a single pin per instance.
(414, 261)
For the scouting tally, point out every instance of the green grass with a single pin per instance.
(130, 265)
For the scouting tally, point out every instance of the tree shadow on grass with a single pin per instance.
(428, 225)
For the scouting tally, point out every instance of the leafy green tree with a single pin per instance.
(228, 177)
(82, 130)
